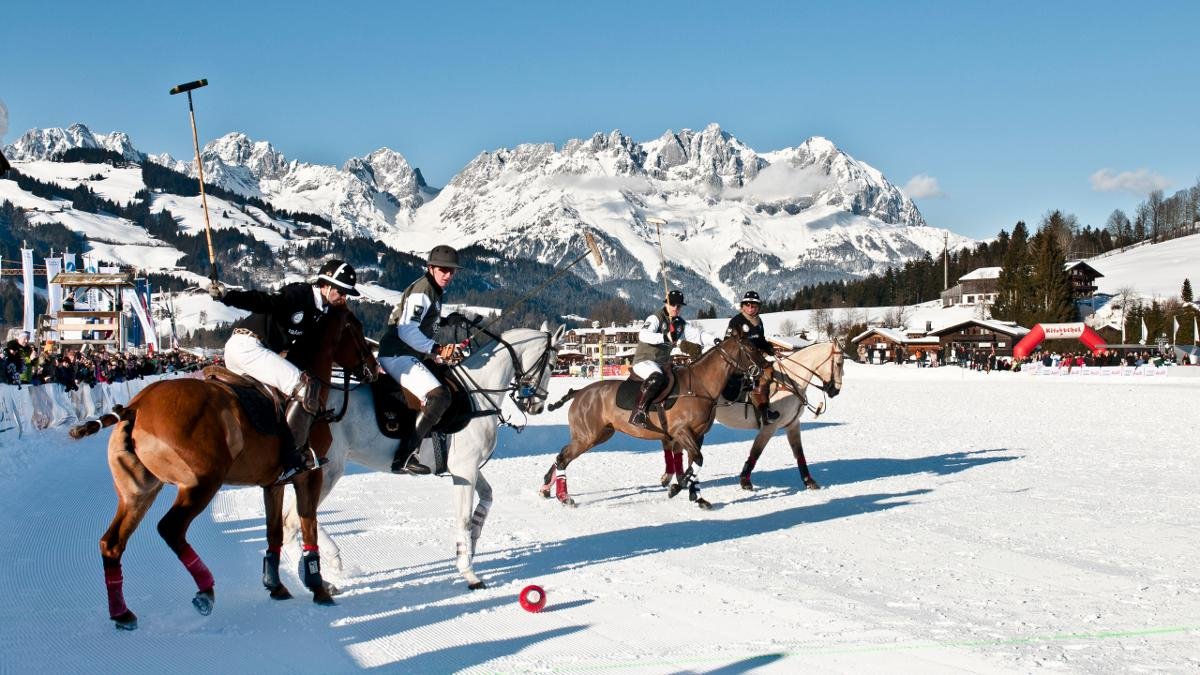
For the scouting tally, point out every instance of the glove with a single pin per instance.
(216, 289)
(448, 353)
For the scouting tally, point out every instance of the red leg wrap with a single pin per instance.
(308, 548)
(116, 596)
(197, 568)
(560, 487)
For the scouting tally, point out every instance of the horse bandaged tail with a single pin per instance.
(90, 427)
(559, 403)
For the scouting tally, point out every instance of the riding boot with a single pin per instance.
(641, 408)
(405, 460)
(300, 414)
(762, 406)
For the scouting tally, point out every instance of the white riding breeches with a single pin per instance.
(411, 374)
(245, 355)
(645, 369)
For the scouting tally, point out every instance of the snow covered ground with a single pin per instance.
(970, 522)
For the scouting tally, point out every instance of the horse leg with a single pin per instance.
(756, 448)
(273, 503)
(173, 528)
(793, 436)
(136, 489)
(668, 463)
(558, 470)
(308, 494)
(465, 526)
(691, 479)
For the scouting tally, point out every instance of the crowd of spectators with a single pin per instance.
(1106, 357)
(28, 363)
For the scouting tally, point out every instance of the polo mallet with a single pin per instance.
(662, 258)
(179, 89)
(591, 249)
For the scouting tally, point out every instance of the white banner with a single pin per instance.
(1062, 331)
(53, 267)
(27, 278)
(93, 294)
(131, 299)
(69, 264)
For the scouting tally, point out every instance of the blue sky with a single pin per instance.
(1008, 109)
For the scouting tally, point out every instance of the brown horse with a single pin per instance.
(594, 416)
(793, 373)
(194, 434)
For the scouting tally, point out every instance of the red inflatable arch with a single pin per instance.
(1058, 331)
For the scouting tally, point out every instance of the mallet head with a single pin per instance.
(656, 221)
(188, 86)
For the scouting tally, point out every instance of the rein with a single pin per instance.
(523, 386)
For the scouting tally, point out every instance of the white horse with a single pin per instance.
(518, 365)
(795, 370)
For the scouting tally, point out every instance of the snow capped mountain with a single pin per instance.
(38, 144)
(736, 218)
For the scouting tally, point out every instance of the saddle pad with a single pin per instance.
(733, 390)
(261, 408)
(396, 420)
(627, 393)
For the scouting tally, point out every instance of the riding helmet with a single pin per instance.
(444, 256)
(340, 275)
(675, 298)
(751, 297)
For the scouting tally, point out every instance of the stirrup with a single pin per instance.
(310, 463)
(410, 465)
(638, 418)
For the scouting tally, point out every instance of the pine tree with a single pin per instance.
(1052, 288)
(1186, 291)
(1014, 288)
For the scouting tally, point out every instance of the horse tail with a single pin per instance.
(118, 414)
(559, 403)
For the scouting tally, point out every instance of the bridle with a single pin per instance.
(828, 386)
(366, 374)
(525, 386)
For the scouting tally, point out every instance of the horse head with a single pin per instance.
(822, 360)
(741, 356)
(351, 350)
(533, 382)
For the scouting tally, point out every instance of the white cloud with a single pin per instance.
(921, 186)
(1140, 182)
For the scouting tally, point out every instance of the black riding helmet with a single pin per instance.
(340, 275)
(444, 256)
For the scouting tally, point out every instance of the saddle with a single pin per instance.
(627, 392)
(737, 389)
(396, 410)
(262, 404)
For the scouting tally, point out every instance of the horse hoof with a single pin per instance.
(476, 586)
(125, 621)
(747, 485)
(204, 601)
(323, 599)
(280, 592)
(666, 479)
(703, 504)
(568, 502)
(674, 490)
(812, 484)
(545, 492)
(331, 589)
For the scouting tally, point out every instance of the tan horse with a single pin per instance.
(594, 416)
(793, 373)
(194, 434)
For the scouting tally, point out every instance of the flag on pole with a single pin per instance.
(1174, 320)
(1195, 333)
(27, 279)
(1145, 333)
(54, 291)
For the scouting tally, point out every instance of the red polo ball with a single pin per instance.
(533, 598)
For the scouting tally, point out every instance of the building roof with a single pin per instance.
(982, 273)
(891, 334)
(990, 324)
(92, 279)
(1083, 265)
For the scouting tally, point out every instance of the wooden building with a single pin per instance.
(964, 337)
